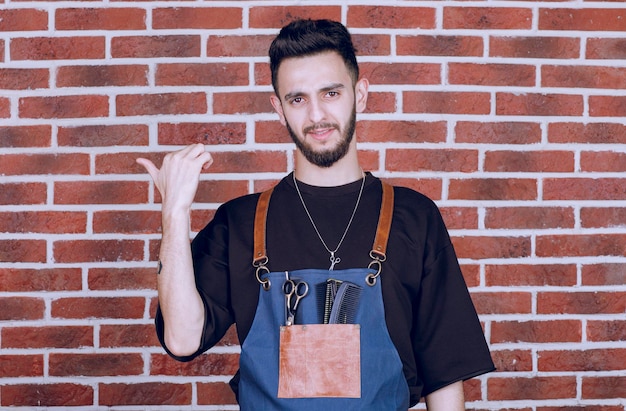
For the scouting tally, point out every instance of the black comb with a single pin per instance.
(345, 304)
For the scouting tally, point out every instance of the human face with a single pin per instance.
(317, 102)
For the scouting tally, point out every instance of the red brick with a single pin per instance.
(535, 104)
(245, 162)
(472, 390)
(109, 364)
(497, 133)
(125, 163)
(155, 46)
(531, 388)
(65, 336)
(239, 45)
(604, 274)
(42, 279)
(127, 222)
(372, 44)
(23, 20)
(581, 302)
(100, 192)
(401, 73)
(595, 217)
(102, 76)
(27, 164)
(220, 191)
(529, 217)
(380, 131)
(43, 222)
(215, 393)
(25, 136)
(441, 45)
(47, 395)
(535, 47)
(442, 102)
(21, 308)
(594, 133)
(24, 78)
(148, 393)
(99, 307)
(531, 275)
(460, 217)
(603, 161)
(390, 17)
(471, 274)
(242, 103)
(446, 160)
(487, 18)
(122, 278)
(202, 74)
(491, 74)
(23, 193)
(103, 135)
(106, 18)
(583, 19)
(545, 161)
(197, 18)
(581, 245)
(64, 106)
(163, 103)
(128, 335)
(58, 48)
(583, 77)
(584, 189)
(502, 303)
(491, 247)
(274, 132)
(278, 16)
(606, 48)
(205, 133)
(600, 359)
(536, 331)
(80, 251)
(512, 360)
(604, 387)
(12, 366)
(606, 330)
(431, 188)
(607, 106)
(208, 364)
(493, 189)
(23, 251)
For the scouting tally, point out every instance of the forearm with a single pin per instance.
(180, 303)
(448, 398)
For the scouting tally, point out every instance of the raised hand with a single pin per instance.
(177, 179)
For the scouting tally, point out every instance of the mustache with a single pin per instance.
(318, 126)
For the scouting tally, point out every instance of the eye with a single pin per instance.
(332, 93)
(296, 100)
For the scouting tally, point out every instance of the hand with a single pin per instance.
(177, 179)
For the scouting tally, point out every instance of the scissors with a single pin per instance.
(294, 291)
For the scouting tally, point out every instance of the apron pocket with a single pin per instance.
(320, 360)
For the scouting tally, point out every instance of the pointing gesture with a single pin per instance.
(177, 179)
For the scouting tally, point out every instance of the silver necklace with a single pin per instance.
(333, 258)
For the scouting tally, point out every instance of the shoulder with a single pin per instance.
(409, 200)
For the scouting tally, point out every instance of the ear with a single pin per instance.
(278, 107)
(360, 94)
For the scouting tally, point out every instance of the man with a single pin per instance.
(373, 264)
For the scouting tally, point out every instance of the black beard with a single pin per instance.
(326, 158)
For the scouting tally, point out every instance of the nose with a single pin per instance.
(316, 111)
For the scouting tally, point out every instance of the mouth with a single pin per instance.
(320, 133)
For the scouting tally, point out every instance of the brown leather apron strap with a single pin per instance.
(379, 249)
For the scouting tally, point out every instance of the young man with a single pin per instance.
(372, 264)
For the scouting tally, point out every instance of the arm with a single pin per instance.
(448, 398)
(181, 305)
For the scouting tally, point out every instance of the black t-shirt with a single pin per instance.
(428, 310)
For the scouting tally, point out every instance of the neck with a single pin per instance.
(344, 171)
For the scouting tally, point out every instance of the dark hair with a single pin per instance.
(302, 38)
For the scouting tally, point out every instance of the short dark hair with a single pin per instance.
(302, 38)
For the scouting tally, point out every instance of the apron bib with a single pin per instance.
(315, 366)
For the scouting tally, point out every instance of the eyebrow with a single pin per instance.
(330, 87)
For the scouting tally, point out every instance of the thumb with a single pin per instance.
(149, 166)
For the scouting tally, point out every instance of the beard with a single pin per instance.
(326, 158)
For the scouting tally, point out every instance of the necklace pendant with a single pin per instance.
(333, 260)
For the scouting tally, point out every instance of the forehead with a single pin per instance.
(312, 73)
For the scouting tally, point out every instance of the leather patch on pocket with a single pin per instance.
(320, 360)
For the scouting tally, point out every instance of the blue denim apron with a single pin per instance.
(383, 385)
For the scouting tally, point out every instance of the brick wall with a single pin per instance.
(509, 114)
